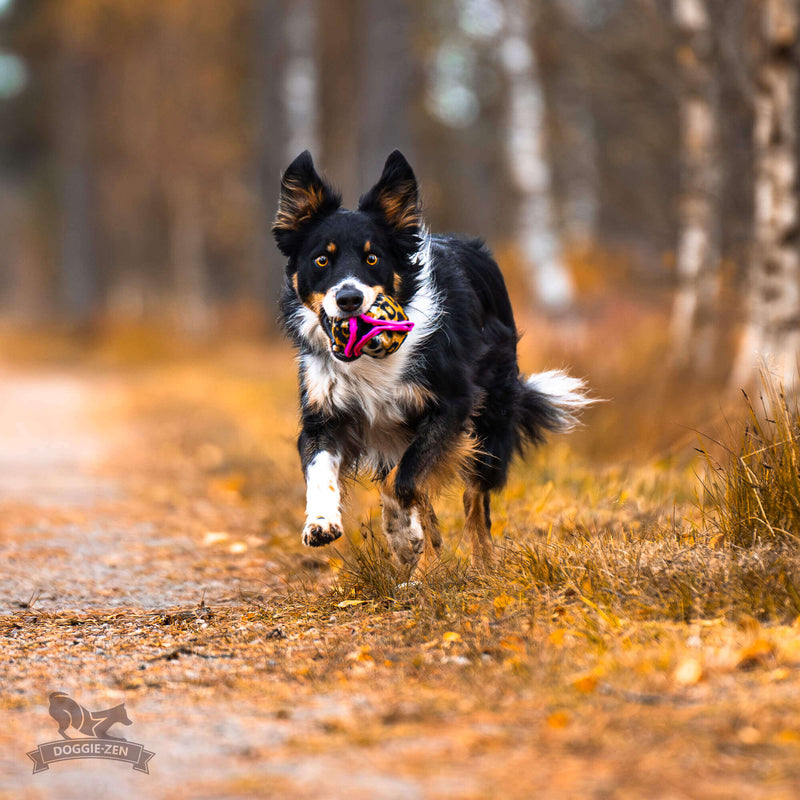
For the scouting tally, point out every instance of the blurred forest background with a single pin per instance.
(616, 154)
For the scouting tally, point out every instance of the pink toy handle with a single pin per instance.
(355, 346)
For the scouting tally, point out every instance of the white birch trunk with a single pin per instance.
(698, 248)
(773, 329)
(537, 237)
(300, 78)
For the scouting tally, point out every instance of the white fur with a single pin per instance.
(329, 301)
(403, 530)
(565, 393)
(372, 386)
(323, 496)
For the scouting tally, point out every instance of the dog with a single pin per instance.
(68, 713)
(449, 404)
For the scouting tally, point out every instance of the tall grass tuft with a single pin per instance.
(752, 494)
(368, 571)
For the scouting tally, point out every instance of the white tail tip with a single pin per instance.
(567, 396)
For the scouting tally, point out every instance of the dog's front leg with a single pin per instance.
(323, 499)
(408, 516)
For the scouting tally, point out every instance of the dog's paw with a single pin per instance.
(320, 531)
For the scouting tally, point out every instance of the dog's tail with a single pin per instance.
(551, 401)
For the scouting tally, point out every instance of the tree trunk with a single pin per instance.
(698, 250)
(270, 148)
(387, 80)
(341, 27)
(773, 329)
(187, 256)
(538, 240)
(78, 272)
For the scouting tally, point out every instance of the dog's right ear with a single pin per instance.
(304, 196)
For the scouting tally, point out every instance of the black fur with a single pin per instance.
(465, 367)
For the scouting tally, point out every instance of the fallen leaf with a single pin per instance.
(513, 643)
(451, 636)
(558, 719)
(688, 672)
(501, 603)
(215, 537)
(557, 636)
(756, 654)
(748, 735)
(585, 683)
(788, 736)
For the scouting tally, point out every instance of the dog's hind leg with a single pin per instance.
(430, 526)
(478, 522)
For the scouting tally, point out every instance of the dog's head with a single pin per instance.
(340, 260)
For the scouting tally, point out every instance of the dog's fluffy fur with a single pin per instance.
(450, 403)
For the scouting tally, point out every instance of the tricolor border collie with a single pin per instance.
(449, 404)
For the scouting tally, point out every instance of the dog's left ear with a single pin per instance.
(395, 197)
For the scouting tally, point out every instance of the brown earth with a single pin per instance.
(149, 546)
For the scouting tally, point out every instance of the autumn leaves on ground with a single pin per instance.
(625, 645)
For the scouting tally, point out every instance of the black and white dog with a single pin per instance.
(450, 403)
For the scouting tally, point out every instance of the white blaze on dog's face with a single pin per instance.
(348, 298)
(344, 264)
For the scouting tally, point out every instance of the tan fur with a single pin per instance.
(297, 205)
(331, 248)
(314, 301)
(475, 524)
(399, 212)
(367, 246)
(433, 538)
(457, 464)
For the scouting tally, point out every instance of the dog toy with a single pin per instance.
(378, 333)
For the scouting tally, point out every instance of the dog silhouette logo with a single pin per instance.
(97, 742)
(69, 714)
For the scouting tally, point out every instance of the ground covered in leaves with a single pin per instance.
(149, 540)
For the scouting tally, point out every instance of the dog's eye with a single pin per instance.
(321, 261)
(372, 259)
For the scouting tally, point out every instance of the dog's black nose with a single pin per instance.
(349, 299)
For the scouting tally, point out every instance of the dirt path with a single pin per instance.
(88, 571)
(149, 556)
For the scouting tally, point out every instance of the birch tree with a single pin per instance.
(537, 237)
(773, 327)
(698, 247)
(285, 64)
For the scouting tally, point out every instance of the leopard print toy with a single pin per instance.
(378, 333)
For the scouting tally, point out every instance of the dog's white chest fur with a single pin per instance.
(377, 390)
(372, 389)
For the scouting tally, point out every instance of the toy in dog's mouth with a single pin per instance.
(377, 333)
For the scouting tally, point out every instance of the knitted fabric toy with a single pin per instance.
(378, 333)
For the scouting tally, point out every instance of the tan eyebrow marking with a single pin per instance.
(367, 246)
(331, 248)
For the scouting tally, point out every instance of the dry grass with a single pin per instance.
(752, 495)
(612, 594)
